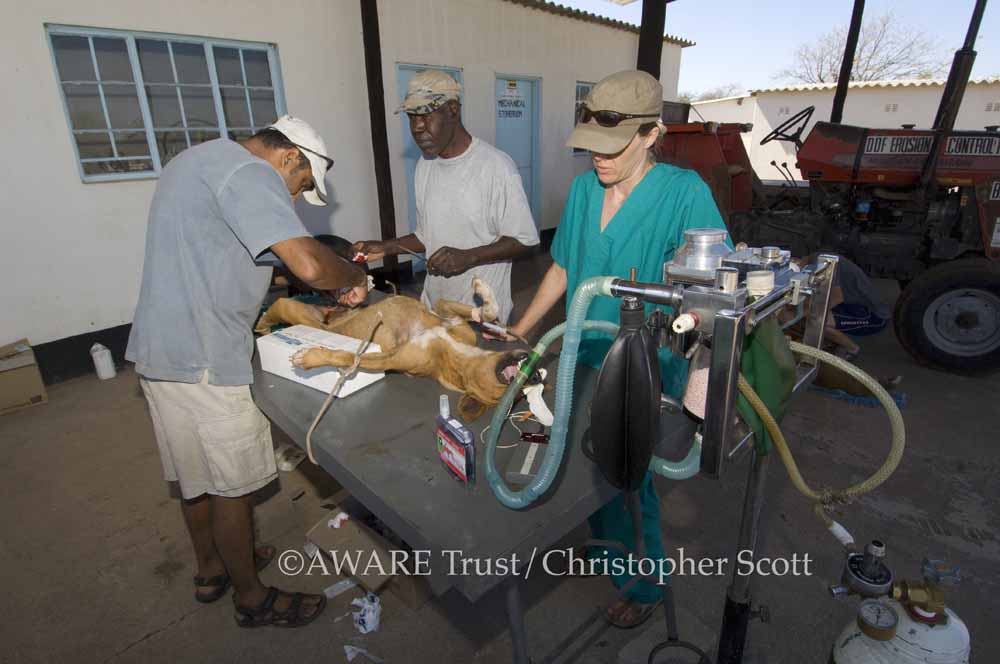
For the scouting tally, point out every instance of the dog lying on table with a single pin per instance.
(414, 340)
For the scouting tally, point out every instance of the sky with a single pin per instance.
(747, 41)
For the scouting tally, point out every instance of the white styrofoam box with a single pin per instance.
(276, 350)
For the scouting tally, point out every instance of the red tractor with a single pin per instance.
(918, 205)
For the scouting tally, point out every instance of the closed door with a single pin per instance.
(411, 153)
(517, 130)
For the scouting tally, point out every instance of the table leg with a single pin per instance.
(515, 616)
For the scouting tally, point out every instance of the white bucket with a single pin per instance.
(103, 363)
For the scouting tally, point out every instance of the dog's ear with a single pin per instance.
(470, 408)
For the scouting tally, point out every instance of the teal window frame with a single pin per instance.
(153, 154)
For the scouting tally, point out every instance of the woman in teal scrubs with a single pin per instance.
(628, 212)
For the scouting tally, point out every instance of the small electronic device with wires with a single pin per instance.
(455, 444)
(527, 458)
(525, 462)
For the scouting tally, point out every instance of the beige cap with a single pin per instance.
(313, 146)
(630, 92)
(428, 91)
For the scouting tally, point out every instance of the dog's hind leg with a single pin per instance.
(450, 310)
(486, 313)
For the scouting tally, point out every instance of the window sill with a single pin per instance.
(119, 177)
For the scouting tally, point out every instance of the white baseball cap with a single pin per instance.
(307, 139)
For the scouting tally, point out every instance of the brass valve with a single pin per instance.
(929, 595)
(930, 598)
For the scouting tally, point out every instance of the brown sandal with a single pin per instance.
(645, 611)
(266, 614)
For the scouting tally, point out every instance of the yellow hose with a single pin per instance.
(827, 499)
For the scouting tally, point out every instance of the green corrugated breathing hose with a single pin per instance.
(827, 499)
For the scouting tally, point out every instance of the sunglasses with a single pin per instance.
(328, 160)
(609, 118)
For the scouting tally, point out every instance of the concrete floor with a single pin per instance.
(97, 567)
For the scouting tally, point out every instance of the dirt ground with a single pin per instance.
(97, 566)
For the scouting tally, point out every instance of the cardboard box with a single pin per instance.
(21, 383)
(276, 350)
(351, 535)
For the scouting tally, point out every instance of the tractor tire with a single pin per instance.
(948, 317)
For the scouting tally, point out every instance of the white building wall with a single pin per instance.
(865, 107)
(73, 252)
(486, 38)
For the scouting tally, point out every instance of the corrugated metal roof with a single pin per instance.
(580, 15)
(712, 101)
(900, 83)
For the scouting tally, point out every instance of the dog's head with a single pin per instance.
(496, 372)
(509, 363)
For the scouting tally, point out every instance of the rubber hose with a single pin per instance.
(825, 499)
(571, 330)
(684, 469)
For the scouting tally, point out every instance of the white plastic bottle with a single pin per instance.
(103, 363)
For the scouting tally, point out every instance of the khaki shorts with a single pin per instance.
(212, 438)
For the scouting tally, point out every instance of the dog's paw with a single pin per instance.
(306, 358)
(490, 310)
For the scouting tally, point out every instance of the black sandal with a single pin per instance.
(266, 614)
(222, 581)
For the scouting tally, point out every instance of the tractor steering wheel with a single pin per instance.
(782, 132)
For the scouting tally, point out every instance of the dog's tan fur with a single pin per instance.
(413, 340)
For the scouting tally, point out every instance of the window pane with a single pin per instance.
(200, 136)
(262, 105)
(132, 144)
(123, 106)
(199, 107)
(190, 62)
(170, 144)
(84, 106)
(112, 59)
(227, 66)
(239, 134)
(92, 146)
(234, 105)
(73, 58)
(257, 67)
(108, 167)
(163, 105)
(155, 61)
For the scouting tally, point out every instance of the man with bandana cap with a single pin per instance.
(472, 215)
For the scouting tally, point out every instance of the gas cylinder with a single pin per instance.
(886, 633)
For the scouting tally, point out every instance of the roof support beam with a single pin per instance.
(654, 15)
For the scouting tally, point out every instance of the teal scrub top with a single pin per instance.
(644, 233)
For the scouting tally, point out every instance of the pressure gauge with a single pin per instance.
(877, 619)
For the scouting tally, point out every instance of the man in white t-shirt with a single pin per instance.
(472, 212)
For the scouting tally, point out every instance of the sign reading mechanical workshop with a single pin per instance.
(510, 102)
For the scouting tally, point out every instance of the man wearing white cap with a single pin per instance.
(472, 213)
(218, 207)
